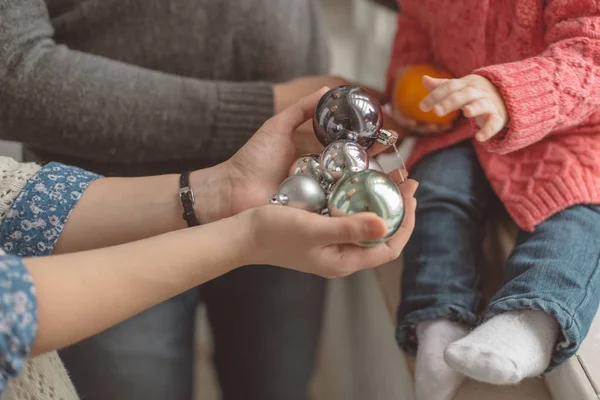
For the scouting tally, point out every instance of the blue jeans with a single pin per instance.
(265, 323)
(554, 269)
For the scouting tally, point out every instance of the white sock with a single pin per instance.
(506, 349)
(434, 379)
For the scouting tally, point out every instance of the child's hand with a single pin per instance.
(475, 95)
(409, 127)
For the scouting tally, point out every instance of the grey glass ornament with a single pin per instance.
(369, 191)
(342, 157)
(309, 165)
(302, 192)
(350, 113)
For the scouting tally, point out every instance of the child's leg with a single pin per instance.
(552, 276)
(440, 280)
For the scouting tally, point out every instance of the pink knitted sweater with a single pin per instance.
(544, 56)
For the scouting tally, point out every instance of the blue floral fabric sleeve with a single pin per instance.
(36, 219)
(18, 319)
(31, 228)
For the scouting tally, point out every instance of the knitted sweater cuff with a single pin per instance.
(530, 98)
(242, 109)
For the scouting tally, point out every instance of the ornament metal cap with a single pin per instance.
(385, 137)
(280, 199)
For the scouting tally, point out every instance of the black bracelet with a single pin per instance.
(186, 195)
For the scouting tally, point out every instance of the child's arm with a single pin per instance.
(559, 88)
(555, 90)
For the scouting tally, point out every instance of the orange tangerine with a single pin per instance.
(410, 91)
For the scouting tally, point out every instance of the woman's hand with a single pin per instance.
(255, 172)
(321, 245)
(475, 95)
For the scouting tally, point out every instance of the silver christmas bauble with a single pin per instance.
(343, 157)
(302, 192)
(370, 191)
(350, 113)
(309, 165)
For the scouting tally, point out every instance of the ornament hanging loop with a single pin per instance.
(279, 199)
(385, 137)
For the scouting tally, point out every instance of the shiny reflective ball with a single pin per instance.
(302, 192)
(369, 191)
(342, 157)
(307, 165)
(349, 113)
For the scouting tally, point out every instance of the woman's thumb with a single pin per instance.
(352, 229)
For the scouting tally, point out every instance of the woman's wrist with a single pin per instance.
(212, 193)
(237, 232)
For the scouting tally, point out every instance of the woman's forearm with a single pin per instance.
(112, 284)
(119, 210)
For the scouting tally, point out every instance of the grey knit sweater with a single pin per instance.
(133, 87)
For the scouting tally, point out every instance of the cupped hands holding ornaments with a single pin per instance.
(286, 236)
(123, 248)
(344, 179)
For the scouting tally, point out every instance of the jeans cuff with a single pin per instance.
(406, 331)
(570, 337)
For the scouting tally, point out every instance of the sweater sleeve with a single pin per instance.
(411, 43)
(556, 90)
(77, 104)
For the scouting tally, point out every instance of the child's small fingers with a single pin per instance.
(432, 83)
(478, 107)
(458, 100)
(440, 93)
(492, 126)
(482, 136)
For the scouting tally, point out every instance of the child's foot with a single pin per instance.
(506, 349)
(434, 379)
